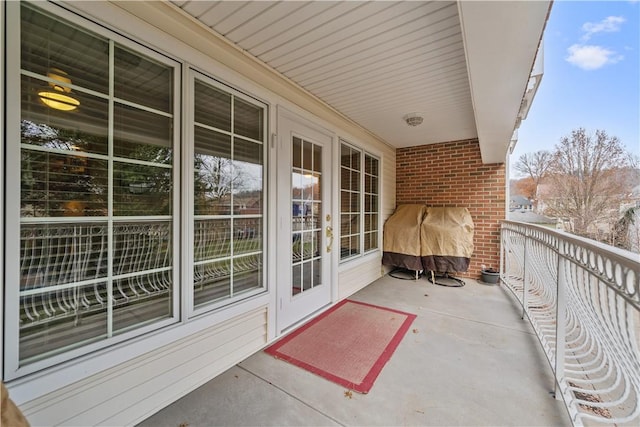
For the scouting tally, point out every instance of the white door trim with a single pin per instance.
(287, 122)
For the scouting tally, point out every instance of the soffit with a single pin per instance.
(374, 62)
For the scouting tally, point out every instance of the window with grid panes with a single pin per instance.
(359, 200)
(95, 259)
(228, 194)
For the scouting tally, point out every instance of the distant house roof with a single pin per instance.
(530, 217)
(520, 201)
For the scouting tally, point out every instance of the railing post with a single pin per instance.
(503, 274)
(525, 275)
(561, 317)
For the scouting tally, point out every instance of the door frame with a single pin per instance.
(282, 210)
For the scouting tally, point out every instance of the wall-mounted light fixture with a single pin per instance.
(59, 97)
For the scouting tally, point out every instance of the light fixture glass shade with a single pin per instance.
(58, 100)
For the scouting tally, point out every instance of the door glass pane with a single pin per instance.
(315, 193)
(306, 210)
(316, 266)
(296, 279)
(307, 278)
(297, 153)
(317, 158)
(307, 157)
(355, 202)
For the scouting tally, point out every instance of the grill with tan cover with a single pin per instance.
(436, 239)
(401, 237)
(446, 240)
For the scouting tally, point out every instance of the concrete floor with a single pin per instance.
(468, 360)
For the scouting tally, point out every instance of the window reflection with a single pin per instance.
(359, 197)
(77, 192)
(228, 195)
(306, 205)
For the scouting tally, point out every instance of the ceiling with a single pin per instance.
(463, 66)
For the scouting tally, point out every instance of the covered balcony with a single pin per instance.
(468, 359)
(186, 182)
(479, 355)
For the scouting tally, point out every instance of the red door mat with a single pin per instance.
(349, 344)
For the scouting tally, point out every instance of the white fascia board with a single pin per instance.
(534, 83)
(501, 40)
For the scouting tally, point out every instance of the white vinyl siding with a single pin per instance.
(142, 386)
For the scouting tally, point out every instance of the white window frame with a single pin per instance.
(12, 367)
(114, 23)
(194, 74)
(363, 153)
(100, 355)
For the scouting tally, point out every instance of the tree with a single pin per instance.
(535, 167)
(584, 177)
(526, 187)
(626, 230)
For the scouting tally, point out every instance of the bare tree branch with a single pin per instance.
(536, 167)
(585, 180)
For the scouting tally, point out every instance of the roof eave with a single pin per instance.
(501, 41)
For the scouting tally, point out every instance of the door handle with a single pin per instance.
(329, 234)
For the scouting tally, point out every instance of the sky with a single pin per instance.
(591, 76)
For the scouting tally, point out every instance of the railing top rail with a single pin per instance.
(619, 254)
(617, 268)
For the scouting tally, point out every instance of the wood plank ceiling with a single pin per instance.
(375, 62)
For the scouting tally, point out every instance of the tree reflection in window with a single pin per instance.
(228, 195)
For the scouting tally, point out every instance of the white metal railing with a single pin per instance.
(583, 301)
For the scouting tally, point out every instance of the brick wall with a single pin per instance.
(452, 174)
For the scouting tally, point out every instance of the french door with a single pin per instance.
(305, 233)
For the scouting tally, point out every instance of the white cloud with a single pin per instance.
(610, 24)
(590, 57)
